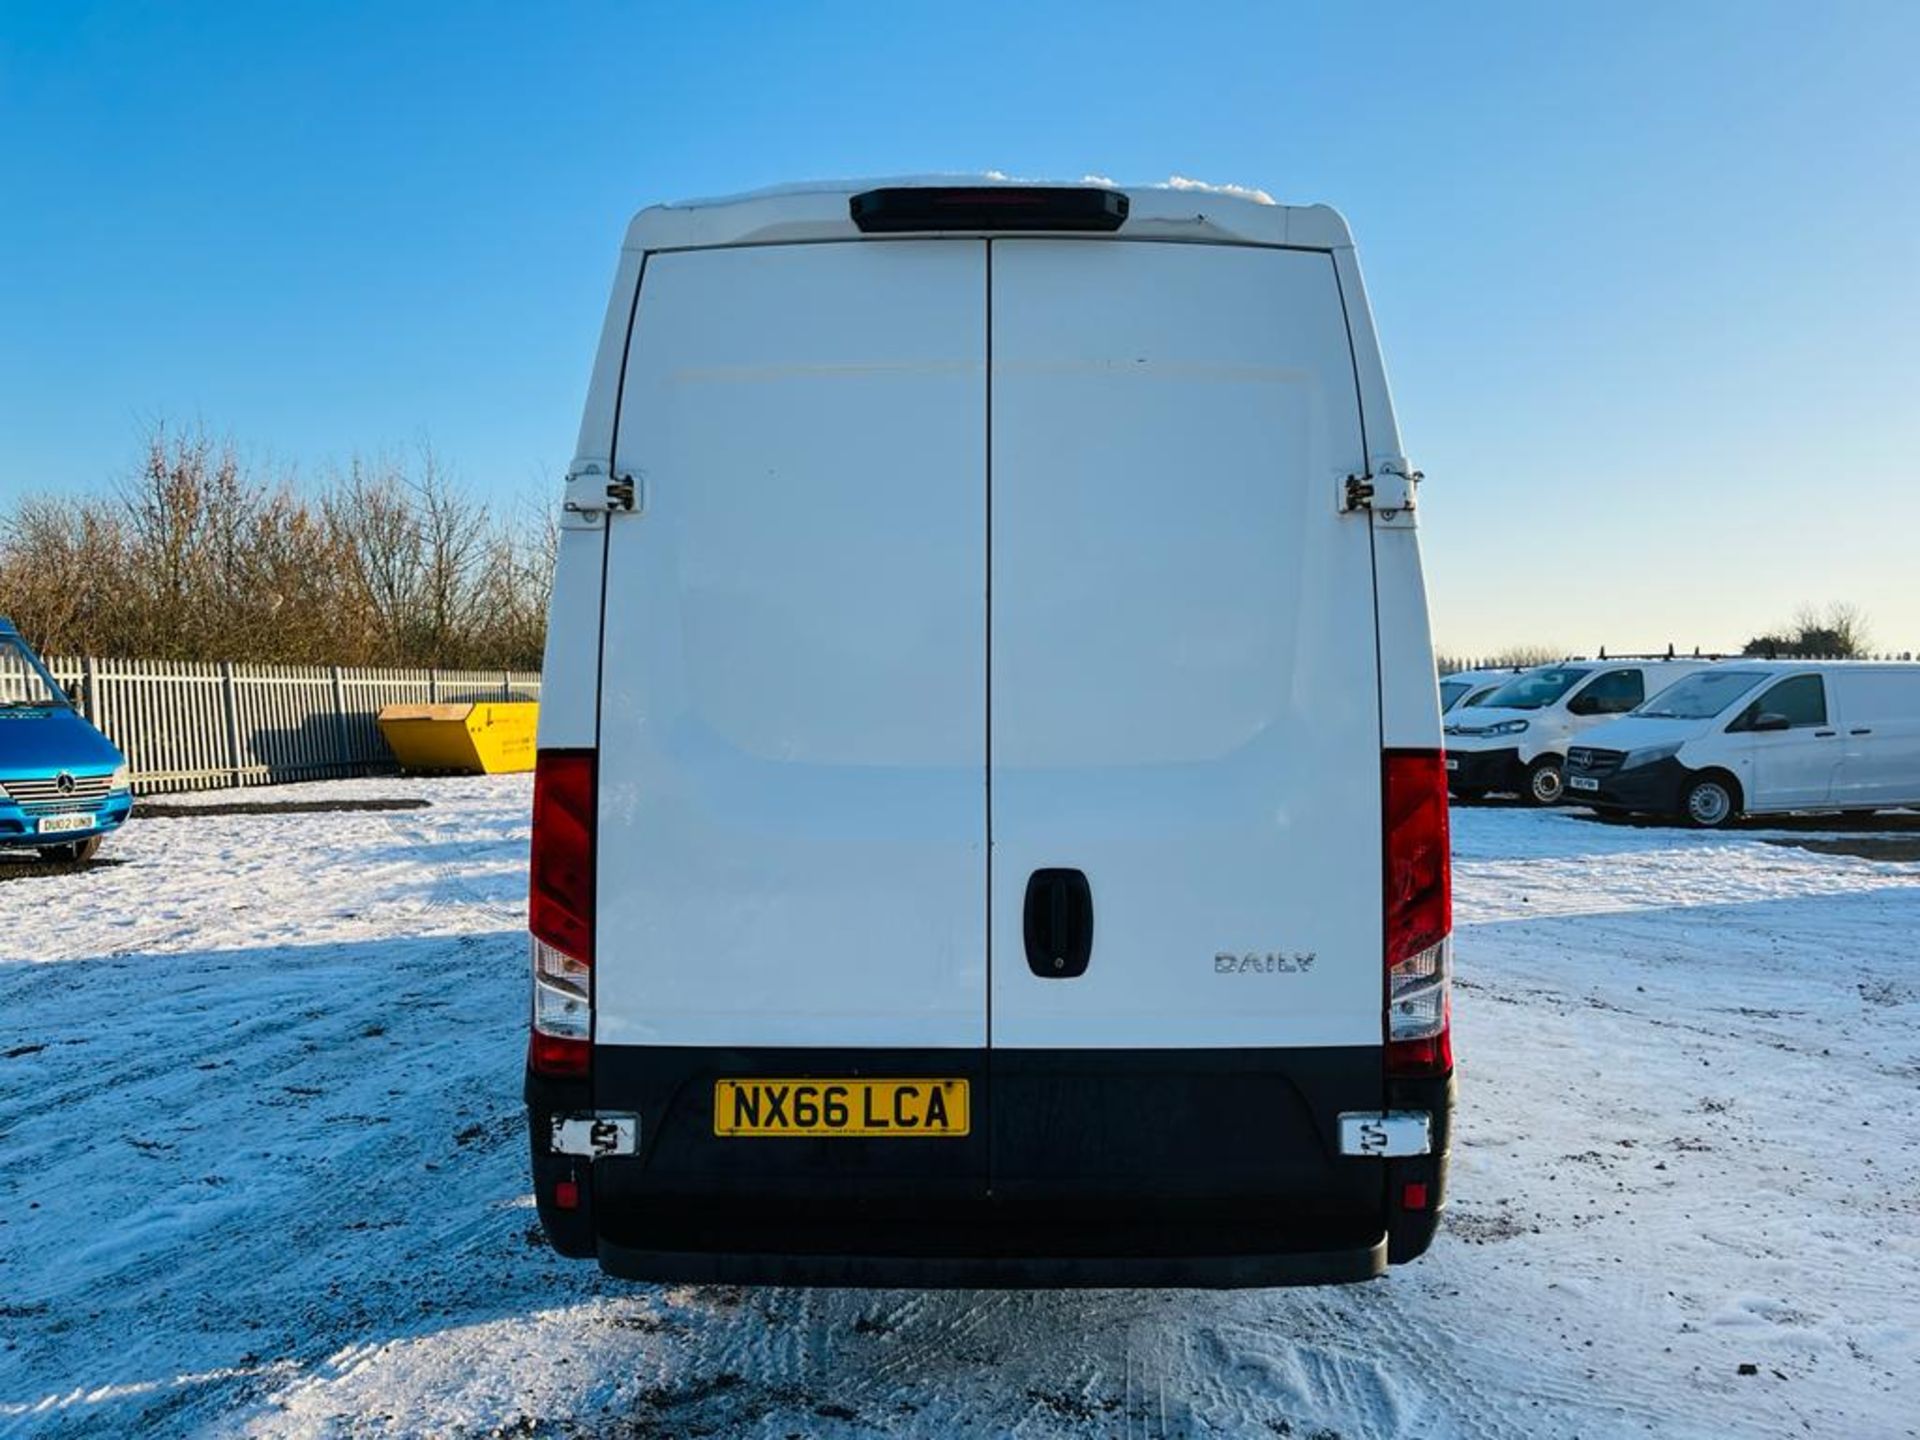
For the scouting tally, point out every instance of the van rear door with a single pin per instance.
(792, 844)
(1184, 699)
(1186, 740)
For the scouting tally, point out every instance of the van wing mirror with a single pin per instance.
(1767, 720)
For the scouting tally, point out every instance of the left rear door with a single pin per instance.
(792, 844)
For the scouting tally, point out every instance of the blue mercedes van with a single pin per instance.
(63, 785)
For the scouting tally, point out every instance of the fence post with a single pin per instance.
(340, 723)
(90, 691)
(506, 685)
(433, 687)
(230, 703)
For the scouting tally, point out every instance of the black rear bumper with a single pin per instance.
(1082, 1168)
(989, 1252)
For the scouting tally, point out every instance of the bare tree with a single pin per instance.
(202, 555)
(454, 534)
(54, 558)
(372, 518)
(1839, 631)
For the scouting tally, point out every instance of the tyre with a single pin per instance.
(1469, 797)
(1545, 784)
(77, 852)
(1710, 802)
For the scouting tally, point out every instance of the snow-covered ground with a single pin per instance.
(261, 1172)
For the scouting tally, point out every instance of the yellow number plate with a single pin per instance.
(904, 1108)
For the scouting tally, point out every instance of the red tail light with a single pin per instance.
(560, 912)
(1418, 913)
(560, 905)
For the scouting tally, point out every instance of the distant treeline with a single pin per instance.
(1837, 632)
(202, 556)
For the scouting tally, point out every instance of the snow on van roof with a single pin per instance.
(1176, 208)
(854, 185)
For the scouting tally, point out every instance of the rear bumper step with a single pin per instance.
(994, 1256)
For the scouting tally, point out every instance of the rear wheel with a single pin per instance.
(1545, 784)
(1710, 802)
(1471, 797)
(77, 852)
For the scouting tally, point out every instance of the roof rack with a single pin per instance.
(1669, 654)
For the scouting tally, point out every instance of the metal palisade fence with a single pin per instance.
(185, 725)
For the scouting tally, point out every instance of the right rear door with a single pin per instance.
(1183, 677)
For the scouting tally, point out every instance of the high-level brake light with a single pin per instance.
(560, 913)
(906, 209)
(1418, 914)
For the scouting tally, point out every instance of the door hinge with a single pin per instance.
(1388, 491)
(593, 489)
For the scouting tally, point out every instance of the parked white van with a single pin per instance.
(989, 824)
(1759, 737)
(1464, 689)
(1515, 741)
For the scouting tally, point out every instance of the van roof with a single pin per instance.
(819, 210)
(1736, 662)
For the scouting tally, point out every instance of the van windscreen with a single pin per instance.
(1537, 688)
(24, 685)
(1700, 696)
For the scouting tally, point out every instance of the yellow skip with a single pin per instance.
(477, 739)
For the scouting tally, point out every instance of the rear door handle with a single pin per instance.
(1863, 730)
(1825, 734)
(1058, 923)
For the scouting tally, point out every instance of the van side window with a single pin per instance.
(1614, 693)
(1802, 700)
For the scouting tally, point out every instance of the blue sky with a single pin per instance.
(1647, 276)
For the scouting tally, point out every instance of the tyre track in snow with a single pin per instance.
(198, 1048)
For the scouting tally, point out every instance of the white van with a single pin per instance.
(1515, 741)
(1463, 689)
(989, 825)
(1760, 737)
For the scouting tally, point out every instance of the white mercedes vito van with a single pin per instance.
(989, 825)
(1760, 737)
(1515, 741)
